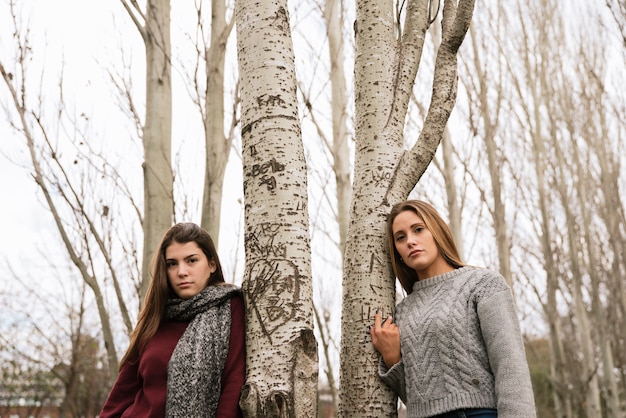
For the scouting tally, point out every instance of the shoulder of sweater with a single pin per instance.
(488, 284)
(480, 282)
(483, 276)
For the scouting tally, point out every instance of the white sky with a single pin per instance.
(57, 34)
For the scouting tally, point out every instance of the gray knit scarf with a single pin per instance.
(195, 369)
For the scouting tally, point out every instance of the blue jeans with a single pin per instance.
(470, 413)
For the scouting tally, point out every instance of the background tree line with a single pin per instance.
(161, 129)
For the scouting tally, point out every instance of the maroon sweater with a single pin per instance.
(140, 388)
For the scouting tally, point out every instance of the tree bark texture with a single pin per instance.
(386, 65)
(217, 144)
(333, 16)
(282, 366)
(157, 133)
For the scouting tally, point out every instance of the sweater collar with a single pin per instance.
(435, 280)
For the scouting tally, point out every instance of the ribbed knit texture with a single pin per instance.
(461, 347)
(195, 368)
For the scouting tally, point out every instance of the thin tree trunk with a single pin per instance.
(530, 97)
(589, 376)
(217, 145)
(602, 313)
(447, 169)
(453, 204)
(43, 184)
(157, 129)
(489, 112)
(333, 16)
(322, 326)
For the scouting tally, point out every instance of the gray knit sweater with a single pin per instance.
(461, 347)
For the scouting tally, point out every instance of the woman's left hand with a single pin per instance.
(386, 339)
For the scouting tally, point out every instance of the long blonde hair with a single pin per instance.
(438, 228)
(160, 290)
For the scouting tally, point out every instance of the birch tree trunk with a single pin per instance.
(333, 16)
(153, 25)
(447, 169)
(217, 144)
(281, 360)
(612, 212)
(585, 119)
(597, 311)
(612, 321)
(558, 371)
(452, 194)
(384, 173)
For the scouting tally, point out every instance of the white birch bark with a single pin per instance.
(281, 361)
(447, 169)
(154, 26)
(384, 173)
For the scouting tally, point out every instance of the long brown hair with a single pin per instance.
(160, 291)
(437, 227)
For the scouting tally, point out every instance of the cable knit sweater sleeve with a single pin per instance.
(505, 348)
(394, 377)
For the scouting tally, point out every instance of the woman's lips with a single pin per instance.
(414, 253)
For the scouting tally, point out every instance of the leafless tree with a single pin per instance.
(153, 24)
(65, 170)
(53, 343)
(209, 92)
(281, 356)
(387, 57)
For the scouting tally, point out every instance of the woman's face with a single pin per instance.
(188, 269)
(416, 245)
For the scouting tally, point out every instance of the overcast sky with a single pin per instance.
(82, 39)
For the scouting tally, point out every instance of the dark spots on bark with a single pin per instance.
(309, 344)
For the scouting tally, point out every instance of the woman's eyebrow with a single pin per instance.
(184, 258)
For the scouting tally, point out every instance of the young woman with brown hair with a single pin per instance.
(455, 348)
(186, 356)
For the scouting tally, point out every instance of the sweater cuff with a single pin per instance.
(394, 377)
